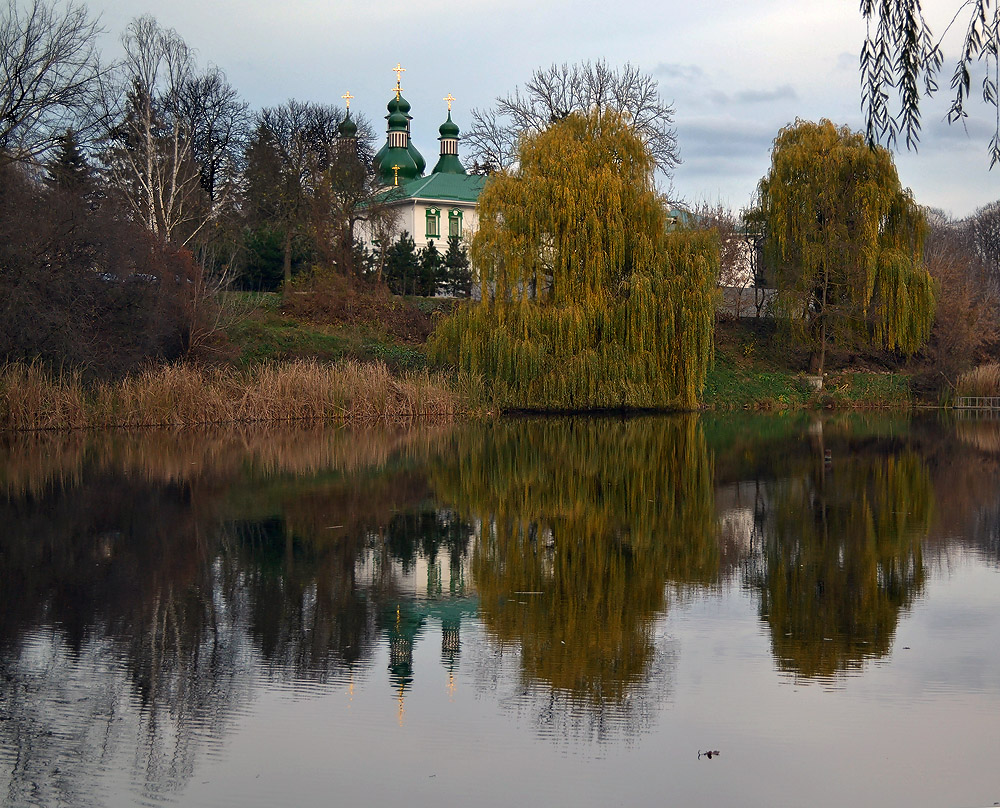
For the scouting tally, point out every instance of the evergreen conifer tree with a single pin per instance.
(69, 170)
(402, 265)
(430, 270)
(456, 270)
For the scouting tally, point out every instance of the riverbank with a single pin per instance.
(360, 357)
(755, 370)
(34, 398)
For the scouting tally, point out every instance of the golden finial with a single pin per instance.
(395, 181)
(347, 97)
(399, 70)
(449, 98)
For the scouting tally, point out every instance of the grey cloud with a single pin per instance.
(847, 61)
(678, 72)
(783, 93)
(724, 137)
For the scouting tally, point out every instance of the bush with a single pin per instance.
(83, 288)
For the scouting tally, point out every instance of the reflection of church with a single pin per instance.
(425, 592)
(432, 207)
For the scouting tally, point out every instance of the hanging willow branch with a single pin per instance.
(587, 300)
(845, 241)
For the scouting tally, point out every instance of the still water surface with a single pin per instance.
(530, 612)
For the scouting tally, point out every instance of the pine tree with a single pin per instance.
(402, 266)
(430, 270)
(587, 301)
(457, 272)
(69, 170)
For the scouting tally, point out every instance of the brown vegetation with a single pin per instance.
(81, 287)
(32, 463)
(965, 321)
(32, 397)
(980, 381)
(334, 298)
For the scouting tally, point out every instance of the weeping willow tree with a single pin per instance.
(587, 301)
(845, 242)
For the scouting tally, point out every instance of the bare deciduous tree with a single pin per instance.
(965, 320)
(218, 122)
(288, 162)
(554, 92)
(984, 231)
(151, 156)
(50, 75)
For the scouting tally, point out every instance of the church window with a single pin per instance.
(455, 223)
(433, 223)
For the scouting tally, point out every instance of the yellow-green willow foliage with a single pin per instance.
(840, 558)
(845, 240)
(591, 519)
(587, 301)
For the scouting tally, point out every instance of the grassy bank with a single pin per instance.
(32, 397)
(755, 370)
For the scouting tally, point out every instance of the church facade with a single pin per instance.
(430, 207)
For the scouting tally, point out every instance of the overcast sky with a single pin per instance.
(736, 71)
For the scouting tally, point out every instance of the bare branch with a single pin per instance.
(553, 93)
(50, 75)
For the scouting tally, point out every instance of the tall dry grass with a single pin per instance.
(33, 398)
(983, 380)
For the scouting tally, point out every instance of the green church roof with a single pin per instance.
(449, 129)
(445, 187)
(347, 128)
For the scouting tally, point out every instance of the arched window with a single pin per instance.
(455, 223)
(433, 223)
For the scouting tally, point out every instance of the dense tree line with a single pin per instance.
(154, 166)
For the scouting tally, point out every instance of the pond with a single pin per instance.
(739, 610)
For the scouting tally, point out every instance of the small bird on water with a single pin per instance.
(709, 754)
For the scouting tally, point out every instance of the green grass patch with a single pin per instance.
(865, 389)
(265, 334)
(731, 388)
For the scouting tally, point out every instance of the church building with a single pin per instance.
(431, 207)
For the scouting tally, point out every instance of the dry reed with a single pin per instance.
(183, 395)
(33, 463)
(983, 380)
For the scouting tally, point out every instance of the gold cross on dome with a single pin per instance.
(348, 98)
(395, 173)
(449, 98)
(399, 70)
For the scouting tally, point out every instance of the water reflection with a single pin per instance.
(153, 585)
(837, 562)
(582, 524)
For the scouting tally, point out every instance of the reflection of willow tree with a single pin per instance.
(841, 558)
(583, 523)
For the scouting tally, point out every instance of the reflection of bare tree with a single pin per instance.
(136, 608)
(114, 595)
(967, 477)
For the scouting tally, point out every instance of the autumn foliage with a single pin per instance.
(588, 301)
